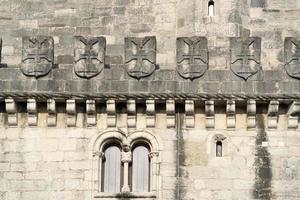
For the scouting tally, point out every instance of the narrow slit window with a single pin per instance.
(219, 149)
(211, 8)
(140, 169)
(111, 170)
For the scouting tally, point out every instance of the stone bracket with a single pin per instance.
(273, 114)
(91, 112)
(71, 112)
(32, 112)
(170, 110)
(189, 114)
(51, 108)
(11, 109)
(210, 114)
(251, 114)
(131, 113)
(230, 110)
(150, 111)
(293, 115)
(111, 113)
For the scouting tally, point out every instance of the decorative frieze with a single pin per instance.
(189, 114)
(210, 114)
(230, 113)
(245, 56)
(131, 113)
(71, 112)
(170, 110)
(89, 56)
(51, 108)
(140, 56)
(32, 112)
(11, 109)
(91, 118)
(251, 114)
(111, 113)
(273, 114)
(192, 57)
(292, 56)
(150, 111)
(293, 115)
(37, 55)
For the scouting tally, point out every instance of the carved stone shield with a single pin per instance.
(245, 56)
(292, 57)
(37, 55)
(192, 57)
(89, 56)
(140, 56)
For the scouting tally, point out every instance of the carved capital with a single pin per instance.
(126, 156)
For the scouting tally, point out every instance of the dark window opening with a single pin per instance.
(219, 149)
(211, 8)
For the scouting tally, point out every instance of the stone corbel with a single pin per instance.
(230, 110)
(170, 110)
(111, 113)
(91, 112)
(131, 113)
(150, 111)
(32, 112)
(189, 113)
(11, 109)
(293, 115)
(251, 114)
(51, 108)
(210, 114)
(273, 114)
(71, 112)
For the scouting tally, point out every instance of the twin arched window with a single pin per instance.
(125, 169)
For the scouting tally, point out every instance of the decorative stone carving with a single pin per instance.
(170, 110)
(245, 56)
(89, 56)
(251, 113)
(140, 56)
(131, 113)
(91, 112)
(189, 114)
(230, 110)
(71, 112)
(51, 108)
(192, 57)
(32, 112)
(37, 55)
(292, 57)
(11, 109)
(273, 114)
(111, 113)
(210, 114)
(293, 115)
(150, 111)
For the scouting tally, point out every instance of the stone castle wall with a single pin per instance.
(47, 153)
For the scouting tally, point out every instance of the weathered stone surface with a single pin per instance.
(37, 55)
(292, 57)
(245, 56)
(89, 56)
(140, 56)
(192, 57)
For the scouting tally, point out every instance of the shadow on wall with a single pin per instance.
(263, 167)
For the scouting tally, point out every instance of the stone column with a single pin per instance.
(98, 156)
(126, 159)
(154, 170)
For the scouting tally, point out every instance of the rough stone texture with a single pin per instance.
(55, 162)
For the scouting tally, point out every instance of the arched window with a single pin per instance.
(211, 8)
(111, 169)
(140, 168)
(219, 149)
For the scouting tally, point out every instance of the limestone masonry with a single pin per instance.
(149, 99)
